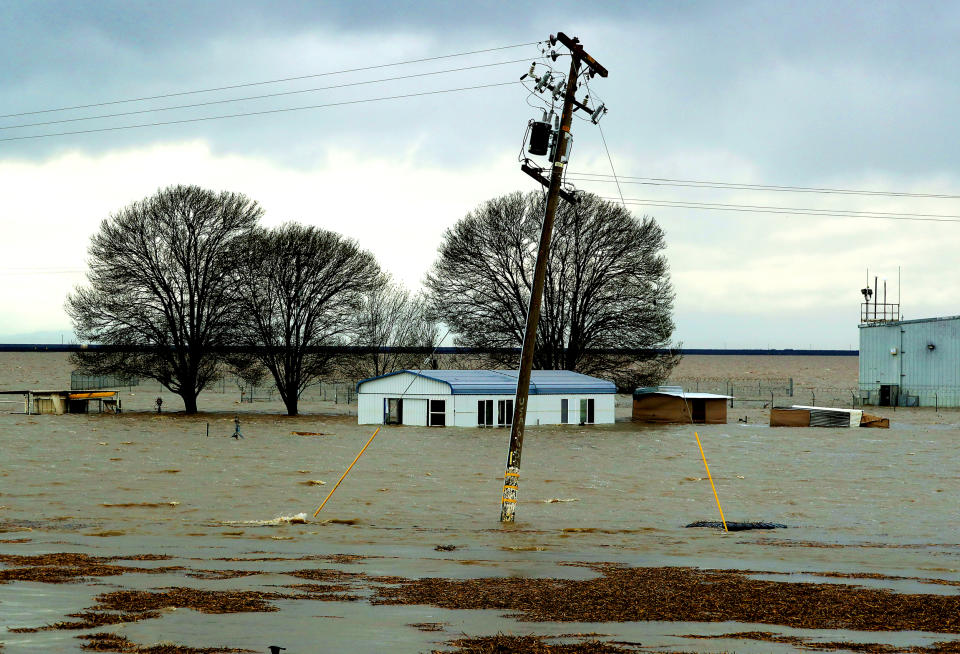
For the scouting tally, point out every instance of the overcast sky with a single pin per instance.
(848, 95)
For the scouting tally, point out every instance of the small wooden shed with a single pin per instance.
(671, 405)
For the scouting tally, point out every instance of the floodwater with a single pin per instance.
(856, 500)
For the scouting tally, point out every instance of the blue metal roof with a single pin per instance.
(504, 382)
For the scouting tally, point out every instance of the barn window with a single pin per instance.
(504, 412)
(437, 416)
(586, 412)
(485, 413)
(564, 411)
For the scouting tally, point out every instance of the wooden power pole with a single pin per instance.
(511, 481)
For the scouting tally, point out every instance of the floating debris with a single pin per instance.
(524, 548)
(624, 594)
(66, 567)
(736, 526)
(204, 601)
(427, 626)
(127, 505)
(501, 644)
(107, 642)
(943, 647)
(554, 500)
(297, 519)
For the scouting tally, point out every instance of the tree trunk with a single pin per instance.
(189, 402)
(291, 403)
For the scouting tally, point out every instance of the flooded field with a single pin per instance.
(211, 541)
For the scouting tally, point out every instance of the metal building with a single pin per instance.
(910, 362)
(482, 398)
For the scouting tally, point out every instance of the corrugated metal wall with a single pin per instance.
(927, 376)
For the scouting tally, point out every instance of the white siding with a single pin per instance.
(414, 411)
(405, 383)
(461, 410)
(369, 409)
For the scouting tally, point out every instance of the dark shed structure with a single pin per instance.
(670, 404)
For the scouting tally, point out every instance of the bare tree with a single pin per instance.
(391, 315)
(158, 282)
(301, 288)
(607, 286)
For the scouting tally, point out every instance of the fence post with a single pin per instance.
(936, 399)
(791, 387)
(813, 398)
(771, 399)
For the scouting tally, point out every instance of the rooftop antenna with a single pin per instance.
(867, 294)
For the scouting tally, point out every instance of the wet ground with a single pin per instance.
(867, 509)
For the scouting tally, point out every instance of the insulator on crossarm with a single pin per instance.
(598, 114)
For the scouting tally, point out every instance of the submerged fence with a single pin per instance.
(771, 391)
(338, 391)
(914, 395)
(80, 382)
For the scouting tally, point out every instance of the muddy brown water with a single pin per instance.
(868, 502)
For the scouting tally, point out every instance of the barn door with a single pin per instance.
(393, 411)
(699, 410)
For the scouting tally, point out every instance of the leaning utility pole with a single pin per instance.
(511, 481)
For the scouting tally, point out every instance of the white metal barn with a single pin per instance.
(483, 398)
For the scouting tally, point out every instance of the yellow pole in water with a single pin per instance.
(345, 472)
(709, 476)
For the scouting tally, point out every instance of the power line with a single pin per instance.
(259, 97)
(664, 181)
(798, 211)
(269, 81)
(604, 139)
(258, 113)
(805, 209)
(41, 272)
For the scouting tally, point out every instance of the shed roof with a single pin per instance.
(504, 382)
(677, 391)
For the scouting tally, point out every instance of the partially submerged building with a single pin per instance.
(814, 416)
(910, 362)
(483, 398)
(58, 402)
(670, 404)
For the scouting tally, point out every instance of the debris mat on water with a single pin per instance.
(736, 526)
(622, 594)
(204, 601)
(107, 642)
(66, 567)
(941, 647)
(88, 620)
(502, 644)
